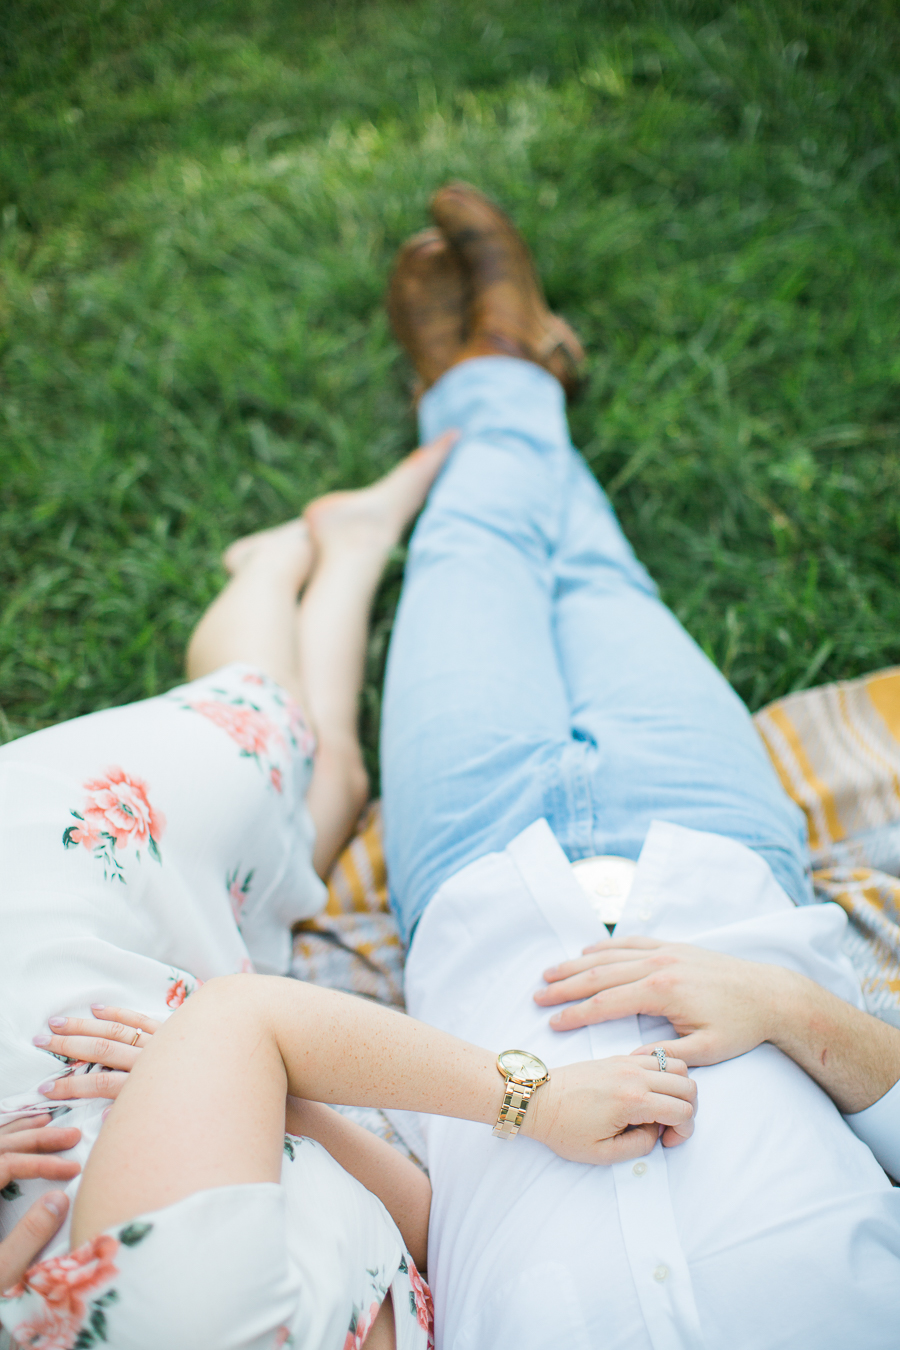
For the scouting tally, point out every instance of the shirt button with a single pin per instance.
(639, 1169)
(660, 1274)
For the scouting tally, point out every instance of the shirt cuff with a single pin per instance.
(879, 1127)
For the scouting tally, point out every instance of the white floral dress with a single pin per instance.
(144, 850)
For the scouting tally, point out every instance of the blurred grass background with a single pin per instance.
(199, 209)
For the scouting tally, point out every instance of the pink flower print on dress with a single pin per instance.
(360, 1326)
(298, 729)
(253, 678)
(116, 813)
(421, 1304)
(177, 993)
(250, 728)
(282, 1338)
(238, 891)
(62, 1283)
(180, 988)
(257, 734)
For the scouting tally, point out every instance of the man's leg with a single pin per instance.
(533, 671)
(475, 710)
(663, 735)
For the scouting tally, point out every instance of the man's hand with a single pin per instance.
(26, 1153)
(720, 1006)
(109, 1040)
(609, 1110)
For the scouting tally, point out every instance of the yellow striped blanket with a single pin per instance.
(837, 752)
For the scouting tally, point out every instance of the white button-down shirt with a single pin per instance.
(773, 1226)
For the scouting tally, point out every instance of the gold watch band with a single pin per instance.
(512, 1112)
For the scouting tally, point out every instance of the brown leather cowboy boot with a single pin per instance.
(426, 303)
(507, 313)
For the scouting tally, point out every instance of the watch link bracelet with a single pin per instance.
(524, 1074)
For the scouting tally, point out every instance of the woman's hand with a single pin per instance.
(115, 1040)
(608, 1110)
(720, 1006)
(25, 1153)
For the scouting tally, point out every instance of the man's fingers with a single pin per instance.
(593, 980)
(626, 1001)
(50, 1139)
(611, 943)
(33, 1231)
(29, 1166)
(102, 1084)
(601, 955)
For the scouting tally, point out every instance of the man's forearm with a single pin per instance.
(852, 1055)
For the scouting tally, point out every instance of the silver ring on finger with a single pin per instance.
(137, 1037)
(660, 1054)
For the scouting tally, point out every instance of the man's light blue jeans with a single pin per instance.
(533, 671)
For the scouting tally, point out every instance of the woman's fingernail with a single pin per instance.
(98, 1007)
(105, 1114)
(52, 1202)
(48, 1087)
(40, 1040)
(557, 1017)
(57, 1021)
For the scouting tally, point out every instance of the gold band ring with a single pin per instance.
(137, 1037)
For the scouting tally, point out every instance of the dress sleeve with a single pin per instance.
(879, 1127)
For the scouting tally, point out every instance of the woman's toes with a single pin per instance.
(374, 518)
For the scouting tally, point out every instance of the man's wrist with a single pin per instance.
(784, 1000)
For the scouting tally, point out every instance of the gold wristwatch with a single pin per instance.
(524, 1074)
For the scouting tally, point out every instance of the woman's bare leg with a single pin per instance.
(254, 618)
(353, 534)
(316, 650)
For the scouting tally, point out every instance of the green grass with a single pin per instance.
(200, 205)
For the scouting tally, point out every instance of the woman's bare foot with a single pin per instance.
(288, 545)
(426, 302)
(507, 314)
(372, 520)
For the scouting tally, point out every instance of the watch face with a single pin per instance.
(522, 1066)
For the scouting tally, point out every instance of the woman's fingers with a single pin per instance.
(34, 1139)
(696, 1049)
(634, 1143)
(114, 1037)
(33, 1231)
(663, 1109)
(28, 1166)
(24, 1123)
(674, 1064)
(92, 1050)
(84, 1085)
(126, 1017)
